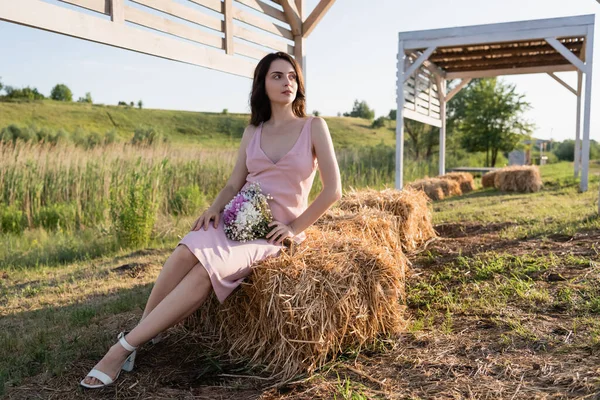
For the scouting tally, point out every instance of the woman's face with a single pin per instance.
(281, 83)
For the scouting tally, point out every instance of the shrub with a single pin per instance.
(187, 200)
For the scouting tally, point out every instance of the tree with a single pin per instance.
(316, 113)
(392, 114)
(131, 104)
(361, 110)
(26, 93)
(86, 99)
(61, 92)
(489, 118)
(422, 139)
(1, 86)
(140, 104)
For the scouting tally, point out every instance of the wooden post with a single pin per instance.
(227, 7)
(577, 155)
(400, 116)
(299, 49)
(117, 12)
(442, 95)
(585, 154)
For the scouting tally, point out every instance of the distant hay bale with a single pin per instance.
(436, 188)
(487, 180)
(299, 310)
(523, 179)
(429, 187)
(464, 179)
(410, 206)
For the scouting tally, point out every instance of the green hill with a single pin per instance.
(185, 127)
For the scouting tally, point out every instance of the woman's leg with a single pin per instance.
(179, 263)
(187, 296)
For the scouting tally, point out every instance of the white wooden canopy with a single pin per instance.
(219, 34)
(428, 59)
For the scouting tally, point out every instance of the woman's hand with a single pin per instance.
(204, 219)
(280, 232)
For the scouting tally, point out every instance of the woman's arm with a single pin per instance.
(332, 185)
(234, 184)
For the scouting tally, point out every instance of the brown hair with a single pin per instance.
(260, 104)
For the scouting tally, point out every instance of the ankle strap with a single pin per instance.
(125, 344)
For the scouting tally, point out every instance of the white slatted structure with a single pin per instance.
(225, 35)
(525, 47)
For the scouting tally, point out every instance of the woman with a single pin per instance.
(281, 149)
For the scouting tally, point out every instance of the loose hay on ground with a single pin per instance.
(300, 309)
(410, 206)
(464, 179)
(523, 179)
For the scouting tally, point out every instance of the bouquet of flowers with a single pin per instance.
(247, 215)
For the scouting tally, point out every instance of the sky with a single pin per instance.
(350, 55)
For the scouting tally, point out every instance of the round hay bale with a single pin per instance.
(464, 179)
(297, 311)
(523, 179)
(487, 180)
(411, 208)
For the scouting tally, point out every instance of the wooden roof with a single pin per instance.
(504, 48)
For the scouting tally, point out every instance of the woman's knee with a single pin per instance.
(200, 276)
(183, 254)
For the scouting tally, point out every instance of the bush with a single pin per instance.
(134, 211)
(60, 216)
(378, 123)
(146, 137)
(27, 94)
(13, 132)
(12, 219)
(86, 99)
(61, 92)
(187, 200)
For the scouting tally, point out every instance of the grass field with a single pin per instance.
(210, 130)
(505, 304)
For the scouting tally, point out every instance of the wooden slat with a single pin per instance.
(574, 47)
(416, 116)
(214, 5)
(183, 12)
(264, 8)
(315, 16)
(166, 25)
(511, 71)
(249, 51)
(262, 23)
(228, 25)
(261, 39)
(53, 18)
(101, 6)
(516, 61)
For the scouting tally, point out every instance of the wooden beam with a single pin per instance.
(262, 39)
(419, 61)
(183, 12)
(572, 58)
(299, 49)
(117, 13)
(565, 84)
(53, 18)
(261, 23)
(493, 53)
(101, 6)
(214, 5)
(417, 116)
(292, 16)
(519, 35)
(264, 8)
(228, 25)
(510, 71)
(152, 21)
(453, 92)
(315, 16)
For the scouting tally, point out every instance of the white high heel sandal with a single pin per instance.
(101, 376)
